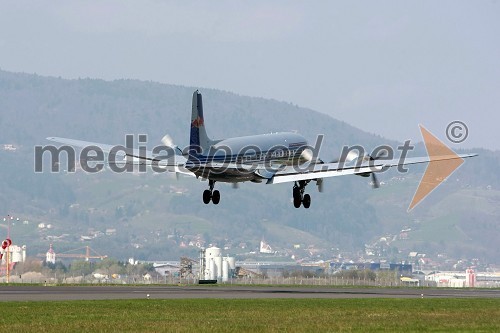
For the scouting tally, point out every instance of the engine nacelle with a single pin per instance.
(364, 174)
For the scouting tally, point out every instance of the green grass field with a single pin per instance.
(258, 315)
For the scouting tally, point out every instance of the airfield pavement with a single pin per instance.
(59, 293)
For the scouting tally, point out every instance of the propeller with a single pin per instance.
(375, 182)
(351, 156)
(319, 183)
(380, 154)
(308, 155)
(169, 142)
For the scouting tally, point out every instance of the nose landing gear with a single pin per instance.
(299, 198)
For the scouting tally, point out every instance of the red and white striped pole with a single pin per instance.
(6, 245)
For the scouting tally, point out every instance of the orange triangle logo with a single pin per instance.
(438, 170)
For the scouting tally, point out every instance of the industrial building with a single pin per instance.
(214, 267)
(15, 254)
(467, 279)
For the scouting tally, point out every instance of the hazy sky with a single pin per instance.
(383, 66)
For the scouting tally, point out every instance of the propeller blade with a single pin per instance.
(236, 185)
(167, 141)
(319, 183)
(307, 155)
(375, 183)
(380, 154)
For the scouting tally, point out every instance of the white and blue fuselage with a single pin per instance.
(210, 159)
(246, 152)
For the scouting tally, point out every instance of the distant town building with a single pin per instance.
(50, 256)
(9, 147)
(470, 278)
(110, 231)
(265, 247)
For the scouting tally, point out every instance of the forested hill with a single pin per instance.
(145, 209)
(34, 107)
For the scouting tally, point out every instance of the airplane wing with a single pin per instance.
(170, 161)
(325, 170)
(82, 144)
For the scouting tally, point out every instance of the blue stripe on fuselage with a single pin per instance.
(271, 155)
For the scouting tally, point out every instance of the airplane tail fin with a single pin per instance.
(199, 142)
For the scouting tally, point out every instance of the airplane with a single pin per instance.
(271, 158)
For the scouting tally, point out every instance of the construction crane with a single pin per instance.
(89, 254)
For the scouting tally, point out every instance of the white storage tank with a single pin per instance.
(214, 263)
(212, 274)
(225, 270)
(218, 266)
(214, 266)
(232, 262)
(212, 252)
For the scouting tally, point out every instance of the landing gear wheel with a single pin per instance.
(216, 197)
(306, 201)
(299, 197)
(297, 200)
(207, 195)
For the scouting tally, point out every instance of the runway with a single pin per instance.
(60, 293)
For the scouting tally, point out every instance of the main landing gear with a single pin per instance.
(211, 195)
(298, 194)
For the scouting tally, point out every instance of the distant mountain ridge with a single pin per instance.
(59, 107)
